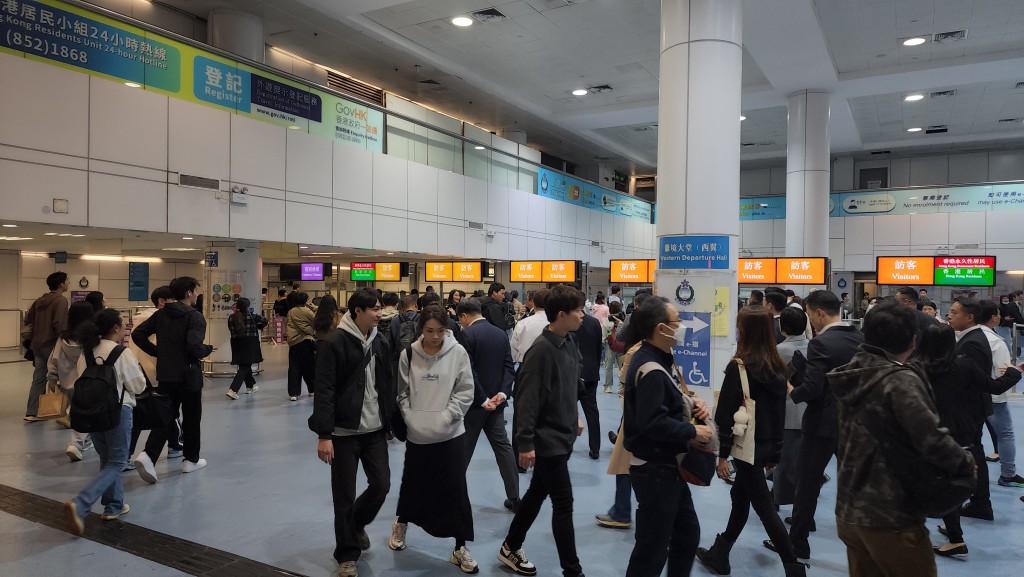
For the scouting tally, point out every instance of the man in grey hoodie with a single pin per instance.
(352, 408)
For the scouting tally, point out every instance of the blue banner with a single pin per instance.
(138, 281)
(551, 184)
(693, 355)
(693, 252)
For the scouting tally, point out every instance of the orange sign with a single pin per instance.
(526, 271)
(905, 270)
(467, 271)
(756, 271)
(807, 270)
(389, 271)
(438, 271)
(559, 271)
(623, 271)
(652, 265)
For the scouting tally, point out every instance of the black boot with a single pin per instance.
(717, 557)
(795, 569)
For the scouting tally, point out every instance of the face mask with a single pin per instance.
(1006, 302)
(679, 334)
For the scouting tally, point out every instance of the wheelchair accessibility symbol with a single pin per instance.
(693, 355)
(695, 376)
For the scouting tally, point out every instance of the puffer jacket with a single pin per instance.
(300, 325)
(875, 388)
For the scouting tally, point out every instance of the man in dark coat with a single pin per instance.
(588, 337)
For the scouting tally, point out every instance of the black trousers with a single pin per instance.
(982, 494)
(589, 403)
(814, 455)
(351, 513)
(492, 424)
(190, 404)
(301, 367)
(173, 436)
(667, 528)
(550, 477)
(244, 374)
(750, 490)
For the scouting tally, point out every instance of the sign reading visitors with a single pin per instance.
(366, 271)
(905, 270)
(438, 271)
(560, 270)
(467, 271)
(693, 252)
(526, 271)
(632, 271)
(693, 355)
(759, 271)
(388, 271)
(809, 270)
(965, 271)
(138, 281)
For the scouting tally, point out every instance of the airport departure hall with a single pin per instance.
(534, 287)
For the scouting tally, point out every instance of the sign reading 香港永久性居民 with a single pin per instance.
(694, 252)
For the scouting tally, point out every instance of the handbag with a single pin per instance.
(52, 404)
(743, 427)
(698, 464)
(614, 344)
(152, 410)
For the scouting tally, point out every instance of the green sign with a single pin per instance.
(364, 271)
(965, 277)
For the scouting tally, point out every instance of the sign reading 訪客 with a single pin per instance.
(631, 271)
(905, 270)
(756, 271)
(809, 270)
(693, 252)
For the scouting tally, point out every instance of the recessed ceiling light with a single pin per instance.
(478, 147)
(49, 234)
(742, 118)
(913, 97)
(580, 92)
(64, 234)
(915, 41)
(462, 21)
(390, 253)
(915, 129)
(303, 247)
(133, 85)
(10, 226)
(77, 235)
(294, 127)
(186, 238)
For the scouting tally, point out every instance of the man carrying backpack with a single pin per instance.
(403, 326)
(180, 330)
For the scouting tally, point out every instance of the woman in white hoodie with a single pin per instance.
(435, 389)
(62, 367)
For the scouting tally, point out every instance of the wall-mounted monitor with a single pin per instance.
(312, 271)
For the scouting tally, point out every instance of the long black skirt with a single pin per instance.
(433, 494)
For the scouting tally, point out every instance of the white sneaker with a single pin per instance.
(73, 453)
(347, 569)
(252, 389)
(293, 398)
(144, 467)
(231, 394)
(112, 516)
(464, 560)
(188, 466)
(397, 540)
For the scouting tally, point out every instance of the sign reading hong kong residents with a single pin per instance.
(693, 252)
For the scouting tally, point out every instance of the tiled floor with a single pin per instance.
(266, 497)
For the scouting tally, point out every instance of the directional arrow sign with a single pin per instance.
(696, 324)
(694, 354)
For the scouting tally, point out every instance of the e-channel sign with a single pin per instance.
(693, 355)
(138, 281)
(965, 271)
(693, 252)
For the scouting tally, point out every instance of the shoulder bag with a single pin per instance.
(743, 422)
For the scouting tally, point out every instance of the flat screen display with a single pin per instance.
(312, 271)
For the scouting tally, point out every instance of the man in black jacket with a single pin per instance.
(352, 409)
(493, 306)
(180, 330)
(490, 355)
(964, 317)
(834, 346)
(908, 297)
(588, 337)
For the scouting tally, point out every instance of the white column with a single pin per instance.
(808, 177)
(238, 274)
(237, 32)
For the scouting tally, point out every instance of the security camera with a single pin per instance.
(241, 250)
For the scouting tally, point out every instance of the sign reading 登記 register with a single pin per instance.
(693, 252)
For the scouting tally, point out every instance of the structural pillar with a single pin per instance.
(808, 174)
(238, 274)
(699, 174)
(236, 32)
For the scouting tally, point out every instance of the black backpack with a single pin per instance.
(95, 406)
(406, 332)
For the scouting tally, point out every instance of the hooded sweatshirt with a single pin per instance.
(369, 416)
(875, 388)
(47, 316)
(180, 331)
(63, 363)
(434, 392)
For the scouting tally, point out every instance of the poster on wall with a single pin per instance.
(225, 290)
(555, 185)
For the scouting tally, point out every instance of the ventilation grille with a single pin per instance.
(601, 88)
(937, 129)
(488, 15)
(595, 243)
(1019, 85)
(950, 36)
(973, 245)
(1010, 120)
(943, 94)
(875, 152)
(475, 225)
(753, 144)
(347, 85)
(198, 182)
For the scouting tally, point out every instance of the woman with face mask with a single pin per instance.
(758, 368)
(667, 529)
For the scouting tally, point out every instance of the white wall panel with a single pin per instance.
(970, 227)
(779, 235)
(518, 209)
(1006, 166)
(837, 252)
(308, 224)
(965, 168)
(552, 215)
(1004, 227)
(567, 251)
(929, 229)
(537, 214)
(476, 243)
(607, 229)
(536, 248)
(596, 220)
(518, 247)
(27, 192)
(756, 234)
(899, 172)
(309, 168)
(859, 262)
(32, 94)
(860, 236)
(583, 223)
(926, 170)
(450, 240)
(257, 152)
(390, 182)
(423, 236)
(476, 200)
(390, 233)
(890, 229)
(568, 227)
(195, 211)
(836, 227)
(497, 205)
(1008, 259)
(127, 125)
(119, 202)
(423, 190)
(199, 140)
(451, 195)
(352, 229)
(498, 247)
(260, 219)
(353, 173)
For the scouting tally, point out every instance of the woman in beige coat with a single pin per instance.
(301, 346)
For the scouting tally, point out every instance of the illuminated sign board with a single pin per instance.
(526, 271)
(389, 271)
(559, 270)
(810, 270)
(467, 271)
(625, 271)
(363, 271)
(438, 271)
(965, 271)
(905, 270)
(759, 271)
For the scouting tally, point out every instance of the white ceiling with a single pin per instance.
(517, 73)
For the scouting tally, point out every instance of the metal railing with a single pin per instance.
(1015, 338)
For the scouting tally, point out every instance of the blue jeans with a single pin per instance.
(1007, 335)
(622, 510)
(667, 528)
(112, 447)
(1003, 425)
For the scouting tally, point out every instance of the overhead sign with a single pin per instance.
(438, 271)
(810, 270)
(560, 270)
(760, 271)
(526, 271)
(212, 259)
(693, 355)
(905, 270)
(551, 184)
(630, 271)
(138, 281)
(364, 271)
(388, 271)
(693, 252)
(965, 271)
(467, 271)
